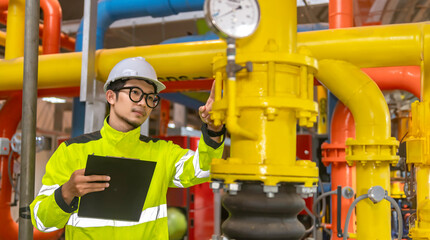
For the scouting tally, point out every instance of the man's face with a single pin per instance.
(126, 113)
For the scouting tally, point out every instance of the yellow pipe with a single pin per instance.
(373, 148)
(372, 46)
(3, 41)
(322, 113)
(2, 38)
(15, 32)
(418, 151)
(365, 47)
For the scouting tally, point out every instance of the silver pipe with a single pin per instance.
(29, 105)
(217, 213)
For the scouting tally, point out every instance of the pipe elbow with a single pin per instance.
(360, 94)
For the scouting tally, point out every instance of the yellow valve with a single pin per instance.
(267, 103)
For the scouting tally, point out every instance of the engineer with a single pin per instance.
(131, 91)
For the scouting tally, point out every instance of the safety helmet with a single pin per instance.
(135, 67)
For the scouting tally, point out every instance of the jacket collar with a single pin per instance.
(116, 136)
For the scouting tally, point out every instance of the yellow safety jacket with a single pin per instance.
(176, 167)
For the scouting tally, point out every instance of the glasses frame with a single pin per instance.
(144, 94)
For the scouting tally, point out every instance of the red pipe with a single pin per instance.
(10, 116)
(390, 78)
(342, 127)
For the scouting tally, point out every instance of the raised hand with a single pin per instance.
(204, 111)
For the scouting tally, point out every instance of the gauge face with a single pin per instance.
(233, 18)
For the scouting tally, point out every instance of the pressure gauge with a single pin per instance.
(233, 18)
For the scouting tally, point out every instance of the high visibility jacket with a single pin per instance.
(176, 167)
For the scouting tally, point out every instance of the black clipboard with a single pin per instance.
(126, 194)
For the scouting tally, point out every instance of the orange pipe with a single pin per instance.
(66, 41)
(390, 78)
(340, 14)
(3, 5)
(342, 127)
(10, 116)
(52, 26)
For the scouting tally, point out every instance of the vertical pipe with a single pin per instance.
(52, 26)
(372, 122)
(10, 115)
(15, 29)
(342, 127)
(29, 105)
(340, 14)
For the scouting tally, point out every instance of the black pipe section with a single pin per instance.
(252, 215)
(339, 211)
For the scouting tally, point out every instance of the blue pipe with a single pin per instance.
(213, 36)
(108, 11)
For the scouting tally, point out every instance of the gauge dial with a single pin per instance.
(233, 18)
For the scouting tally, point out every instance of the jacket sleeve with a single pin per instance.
(193, 167)
(49, 212)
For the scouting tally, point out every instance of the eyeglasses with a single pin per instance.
(136, 94)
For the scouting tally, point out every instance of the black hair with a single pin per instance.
(118, 84)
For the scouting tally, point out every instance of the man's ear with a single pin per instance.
(110, 97)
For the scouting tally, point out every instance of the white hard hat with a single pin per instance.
(135, 67)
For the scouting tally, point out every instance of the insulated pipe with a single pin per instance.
(372, 121)
(52, 26)
(342, 127)
(109, 11)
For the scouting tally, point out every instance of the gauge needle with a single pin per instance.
(232, 10)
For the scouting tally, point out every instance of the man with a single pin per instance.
(131, 91)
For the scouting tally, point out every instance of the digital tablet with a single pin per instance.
(126, 194)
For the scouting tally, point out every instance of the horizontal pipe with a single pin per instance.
(109, 11)
(372, 46)
(173, 62)
(194, 60)
(392, 78)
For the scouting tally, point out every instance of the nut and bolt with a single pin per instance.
(270, 190)
(306, 192)
(233, 188)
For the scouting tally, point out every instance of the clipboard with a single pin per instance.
(126, 194)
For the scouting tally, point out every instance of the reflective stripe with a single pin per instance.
(39, 223)
(180, 168)
(198, 172)
(148, 215)
(48, 190)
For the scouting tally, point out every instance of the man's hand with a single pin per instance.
(204, 111)
(79, 185)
